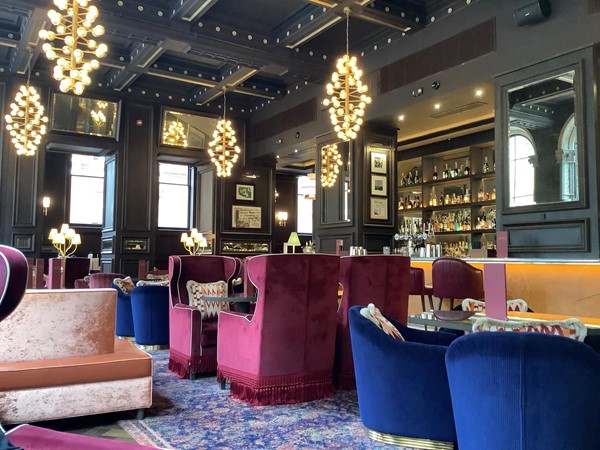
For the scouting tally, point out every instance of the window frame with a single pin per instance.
(70, 191)
(190, 199)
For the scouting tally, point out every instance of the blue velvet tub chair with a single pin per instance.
(150, 309)
(402, 386)
(524, 391)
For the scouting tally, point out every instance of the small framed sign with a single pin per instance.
(244, 192)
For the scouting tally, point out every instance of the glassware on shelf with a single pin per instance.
(467, 170)
(434, 177)
(486, 166)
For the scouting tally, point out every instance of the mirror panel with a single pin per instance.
(543, 157)
(336, 202)
(83, 115)
(184, 130)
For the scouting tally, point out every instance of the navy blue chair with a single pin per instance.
(402, 386)
(524, 391)
(124, 326)
(150, 308)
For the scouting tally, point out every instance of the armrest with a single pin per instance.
(236, 345)
(185, 326)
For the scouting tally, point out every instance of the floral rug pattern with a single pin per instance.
(193, 415)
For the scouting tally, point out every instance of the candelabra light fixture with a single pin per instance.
(347, 94)
(98, 117)
(331, 161)
(65, 241)
(223, 150)
(194, 242)
(26, 121)
(174, 134)
(70, 45)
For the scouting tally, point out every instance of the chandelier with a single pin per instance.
(223, 150)
(26, 121)
(74, 52)
(65, 241)
(194, 242)
(331, 160)
(175, 134)
(348, 94)
(98, 117)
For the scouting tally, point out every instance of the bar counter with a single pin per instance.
(553, 286)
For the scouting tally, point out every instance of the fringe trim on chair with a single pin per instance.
(344, 381)
(278, 390)
(183, 365)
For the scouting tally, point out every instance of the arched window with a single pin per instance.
(522, 161)
(566, 156)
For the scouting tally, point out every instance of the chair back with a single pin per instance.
(202, 269)
(74, 268)
(150, 310)
(454, 278)
(103, 279)
(295, 311)
(13, 279)
(530, 391)
(417, 281)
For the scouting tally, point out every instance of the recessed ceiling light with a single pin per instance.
(401, 117)
(437, 106)
(478, 92)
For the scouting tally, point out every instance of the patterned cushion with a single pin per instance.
(152, 283)
(374, 315)
(210, 310)
(470, 304)
(571, 328)
(164, 277)
(125, 284)
(87, 279)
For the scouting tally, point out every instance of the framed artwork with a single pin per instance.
(379, 208)
(379, 185)
(244, 192)
(245, 216)
(378, 161)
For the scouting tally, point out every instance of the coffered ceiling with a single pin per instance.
(188, 51)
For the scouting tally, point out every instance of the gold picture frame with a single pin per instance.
(378, 208)
(246, 216)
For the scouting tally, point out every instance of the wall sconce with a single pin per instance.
(282, 217)
(45, 204)
(194, 242)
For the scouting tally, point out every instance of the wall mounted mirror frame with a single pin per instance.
(336, 202)
(183, 130)
(541, 137)
(85, 116)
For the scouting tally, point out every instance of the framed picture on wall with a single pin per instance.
(244, 192)
(379, 208)
(378, 161)
(245, 216)
(379, 185)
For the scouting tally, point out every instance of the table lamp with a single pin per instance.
(293, 241)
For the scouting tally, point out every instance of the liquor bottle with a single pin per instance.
(441, 202)
(432, 198)
(409, 178)
(401, 205)
(467, 170)
(494, 194)
(435, 175)
(480, 195)
(467, 197)
(486, 166)
(446, 173)
(416, 179)
(451, 173)
(403, 180)
(456, 170)
(461, 171)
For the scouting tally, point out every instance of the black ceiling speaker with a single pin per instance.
(533, 12)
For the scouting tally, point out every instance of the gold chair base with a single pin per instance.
(411, 442)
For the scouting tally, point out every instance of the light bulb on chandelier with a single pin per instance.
(347, 94)
(331, 161)
(70, 45)
(223, 149)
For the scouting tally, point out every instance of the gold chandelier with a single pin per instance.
(65, 241)
(74, 52)
(331, 160)
(348, 94)
(26, 121)
(175, 134)
(223, 150)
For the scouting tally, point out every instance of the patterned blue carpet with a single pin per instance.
(197, 414)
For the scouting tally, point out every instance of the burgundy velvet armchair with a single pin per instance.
(103, 279)
(193, 341)
(74, 269)
(283, 353)
(455, 279)
(13, 279)
(383, 280)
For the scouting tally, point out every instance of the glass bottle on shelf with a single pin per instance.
(456, 170)
(432, 198)
(467, 197)
(403, 180)
(461, 171)
(467, 170)
(409, 179)
(446, 173)
(494, 194)
(435, 174)
(480, 195)
(451, 173)
(486, 166)
(441, 203)
(416, 179)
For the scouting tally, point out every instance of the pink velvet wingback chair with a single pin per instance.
(283, 353)
(193, 341)
(13, 279)
(383, 280)
(455, 279)
(75, 268)
(103, 279)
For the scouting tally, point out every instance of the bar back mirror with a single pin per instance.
(543, 156)
(83, 115)
(336, 203)
(184, 130)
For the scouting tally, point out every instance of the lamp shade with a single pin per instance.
(293, 239)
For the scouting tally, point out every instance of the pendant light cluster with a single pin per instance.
(223, 150)
(331, 161)
(348, 95)
(71, 45)
(175, 134)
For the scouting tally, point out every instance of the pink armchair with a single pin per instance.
(13, 279)
(192, 341)
(383, 280)
(283, 353)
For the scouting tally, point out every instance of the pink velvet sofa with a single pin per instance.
(59, 358)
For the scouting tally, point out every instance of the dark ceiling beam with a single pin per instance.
(385, 19)
(228, 83)
(190, 10)
(305, 25)
(28, 49)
